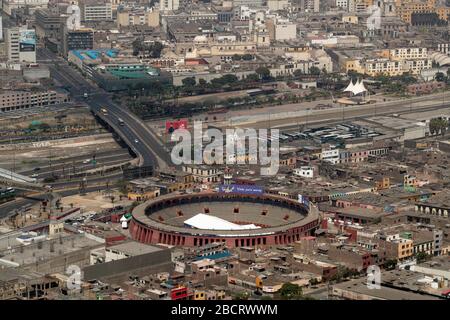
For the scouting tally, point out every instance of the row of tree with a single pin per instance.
(439, 126)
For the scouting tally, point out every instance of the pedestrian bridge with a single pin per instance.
(12, 179)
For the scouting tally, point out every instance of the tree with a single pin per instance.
(438, 125)
(155, 49)
(291, 291)
(314, 71)
(263, 73)
(241, 296)
(229, 79)
(421, 257)
(202, 82)
(189, 82)
(252, 77)
(440, 77)
(390, 264)
(298, 73)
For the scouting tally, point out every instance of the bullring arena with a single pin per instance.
(275, 219)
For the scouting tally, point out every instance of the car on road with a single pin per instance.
(37, 169)
(136, 140)
(86, 161)
(34, 175)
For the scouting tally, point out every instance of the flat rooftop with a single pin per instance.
(359, 286)
(134, 248)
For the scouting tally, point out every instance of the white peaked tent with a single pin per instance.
(356, 88)
(349, 87)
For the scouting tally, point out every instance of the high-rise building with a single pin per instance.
(21, 44)
(80, 39)
(48, 24)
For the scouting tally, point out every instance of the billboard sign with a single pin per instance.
(304, 200)
(27, 41)
(241, 189)
(171, 126)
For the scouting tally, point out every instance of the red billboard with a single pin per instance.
(177, 124)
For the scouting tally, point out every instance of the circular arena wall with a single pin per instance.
(281, 220)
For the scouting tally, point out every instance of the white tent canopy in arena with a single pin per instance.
(209, 222)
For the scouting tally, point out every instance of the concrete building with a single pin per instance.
(49, 24)
(343, 4)
(16, 100)
(275, 5)
(126, 18)
(280, 30)
(9, 6)
(203, 174)
(81, 39)
(169, 5)
(93, 10)
(306, 172)
(21, 45)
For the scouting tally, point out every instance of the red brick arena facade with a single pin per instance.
(281, 220)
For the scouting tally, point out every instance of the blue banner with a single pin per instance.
(303, 200)
(241, 189)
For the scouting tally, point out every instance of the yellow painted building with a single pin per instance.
(406, 8)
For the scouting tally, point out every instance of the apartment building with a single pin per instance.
(203, 174)
(383, 66)
(16, 100)
(281, 29)
(142, 17)
(93, 10)
(396, 246)
(169, 5)
(81, 39)
(408, 53)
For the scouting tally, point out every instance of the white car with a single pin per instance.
(136, 140)
(87, 161)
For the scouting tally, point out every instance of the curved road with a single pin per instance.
(135, 132)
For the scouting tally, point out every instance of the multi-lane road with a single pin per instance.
(134, 131)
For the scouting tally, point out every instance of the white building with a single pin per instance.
(331, 155)
(21, 45)
(275, 5)
(92, 10)
(305, 171)
(312, 5)
(169, 5)
(342, 4)
(409, 53)
(285, 30)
